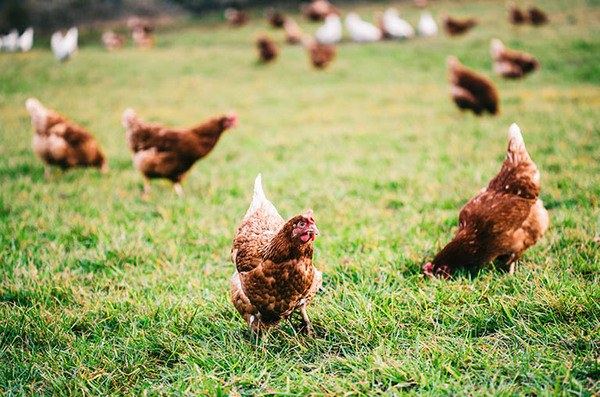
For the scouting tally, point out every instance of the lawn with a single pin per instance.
(105, 293)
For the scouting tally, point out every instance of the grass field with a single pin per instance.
(103, 293)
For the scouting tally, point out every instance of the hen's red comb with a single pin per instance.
(309, 216)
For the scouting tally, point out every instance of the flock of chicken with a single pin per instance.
(275, 275)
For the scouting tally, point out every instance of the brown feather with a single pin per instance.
(502, 221)
(471, 90)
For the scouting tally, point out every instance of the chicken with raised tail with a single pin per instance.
(512, 64)
(165, 152)
(470, 89)
(331, 31)
(395, 27)
(427, 26)
(362, 31)
(60, 142)
(502, 221)
(64, 45)
(274, 265)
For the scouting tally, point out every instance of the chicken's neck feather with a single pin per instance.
(283, 247)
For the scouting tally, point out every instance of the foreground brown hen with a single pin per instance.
(164, 152)
(274, 271)
(471, 90)
(267, 49)
(454, 26)
(60, 142)
(510, 63)
(502, 221)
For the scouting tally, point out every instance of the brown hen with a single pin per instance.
(454, 26)
(317, 10)
(60, 142)
(510, 63)
(471, 90)
(502, 221)
(164, 152)
(321, 55)
(274, 265)
(267, 49)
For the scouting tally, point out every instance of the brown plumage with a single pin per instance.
(516, 16)
(510, 63)
(236, 18)
(60, 142)
(317, 10)
(471, 90)
(276, 19)
(502, 221)
(267, 48)
(164, 152)
(274, 271)
(321, 55)
(454, 26)
(293, 33)
(141, 32)
(537, 16)
(112, 41)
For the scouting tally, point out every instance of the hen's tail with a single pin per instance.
(129, 118)
(259, 200)
(496, 48)
(516, 151)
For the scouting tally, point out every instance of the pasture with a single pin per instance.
(105, 293)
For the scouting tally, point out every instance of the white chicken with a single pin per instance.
(362, 31)
(427, 26)
(396, 27)
(10, 42)
(26, 40)
(331, 31)
(65, 45)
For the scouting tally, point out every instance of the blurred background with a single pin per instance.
(48, 15)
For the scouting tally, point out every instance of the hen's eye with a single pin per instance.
(302, 224)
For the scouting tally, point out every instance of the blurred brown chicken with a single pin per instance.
(164, 152)
(537, 16)
(236, 18)
(502, 221)
(60, 142)
(471, 90)
(274, 271)
(510, 63)
(112, 41)
(454, 26)
(141, 32)
(516, 16)
(276, 19)
(293, 33)
(321, 55)
(267, 49)
(317, 10)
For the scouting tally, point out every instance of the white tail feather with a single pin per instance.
(516, 146)
(128, 116)
(259, 199)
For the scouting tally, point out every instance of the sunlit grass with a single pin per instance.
(102, 292)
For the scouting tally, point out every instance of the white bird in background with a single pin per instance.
(362, 31)
(331, 31)
(396, 27)
(427, 25)
(10, 42)
(26, 40)
(64, 45)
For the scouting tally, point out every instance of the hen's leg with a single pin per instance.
(146, 189)
(47, 172)
(512, 262)
(307, 327)
(178, 189)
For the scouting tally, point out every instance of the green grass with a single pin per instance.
(103, 293)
